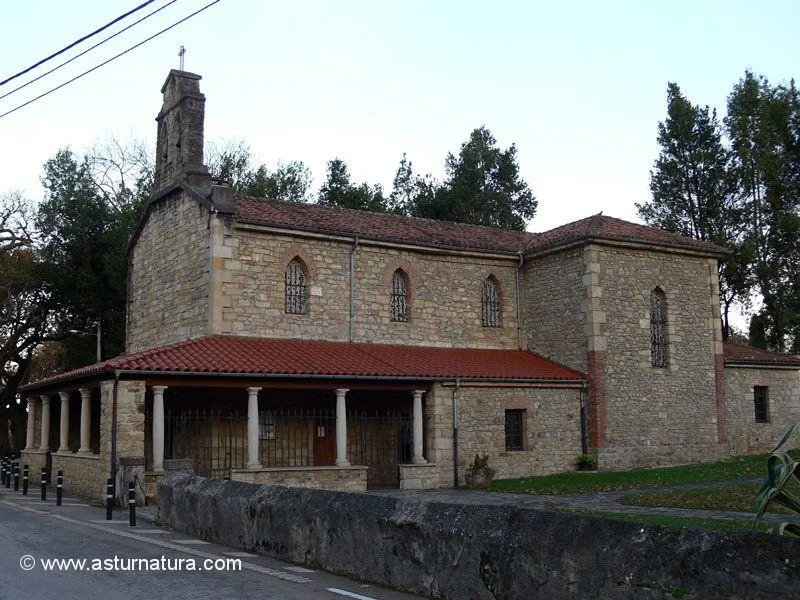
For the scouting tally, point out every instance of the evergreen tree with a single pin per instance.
(763, 124)
(483, 187)
(693, 192)
(339, 191)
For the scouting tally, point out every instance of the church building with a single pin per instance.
(305, 345)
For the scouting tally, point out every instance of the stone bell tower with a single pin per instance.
(179, 150)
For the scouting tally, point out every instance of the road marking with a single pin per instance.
(299, 569)
(349, 594)
(163, 544)
(240, 554)
(189, 542)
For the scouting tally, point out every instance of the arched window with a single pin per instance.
(398, 297)
(490, 303)
(296, 279)
(658, 329)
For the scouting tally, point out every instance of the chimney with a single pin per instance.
(179, 149)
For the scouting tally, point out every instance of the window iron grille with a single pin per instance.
(760, 401)
(658, 329)
(514, 420)
(490, 304)
(296, 288)
(398, 298)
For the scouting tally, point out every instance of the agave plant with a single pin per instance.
(781, 469)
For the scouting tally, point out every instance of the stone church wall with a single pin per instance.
(445, 293)
(168, 276)
(552, 294)
(658, 416)
(783, 407)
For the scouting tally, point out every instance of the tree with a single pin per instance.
(483, 187)
(85, 223)
(26, 305)
(693, 191)
(232, 163)
(763, 124)
(339, 191)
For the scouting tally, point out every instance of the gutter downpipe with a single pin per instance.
(353, 289)
(455, 433)
(519, 322)
(114, 436)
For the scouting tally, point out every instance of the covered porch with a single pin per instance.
(366, 436)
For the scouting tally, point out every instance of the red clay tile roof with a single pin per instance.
(379, 226)
(608, 228)
(741, 354)
(445, 234)
(275, 357)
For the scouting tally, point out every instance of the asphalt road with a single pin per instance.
(145, 561)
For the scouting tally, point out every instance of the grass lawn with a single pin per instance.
(721, 525)
(734, 497)
(748, 467)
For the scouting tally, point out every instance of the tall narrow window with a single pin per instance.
(658, 329)
(761, 402)
(398, 297)
(296, 288)
(490, 304)
(514, 429)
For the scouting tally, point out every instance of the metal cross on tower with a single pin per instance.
(180, 54)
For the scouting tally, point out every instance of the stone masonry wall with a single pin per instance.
(457, 550)
(342, 479)
(658, 416)
(169, 273)
(84, 475)
(130, 430)
(783, 407)
(551, 429)
(445, 293)
(552, 297)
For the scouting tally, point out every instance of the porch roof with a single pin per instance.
(247, 356)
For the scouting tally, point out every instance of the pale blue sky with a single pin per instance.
(578, 86)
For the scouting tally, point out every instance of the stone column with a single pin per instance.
(45, 438)
(31, 425)
(252, 428)
(158, 427)
(86, 419)
(419, 459)
(341, 428)
(64, 429)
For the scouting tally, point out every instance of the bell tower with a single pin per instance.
(179, 149)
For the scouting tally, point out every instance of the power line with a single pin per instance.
(48, 92)
(77, 56)
(76, 42)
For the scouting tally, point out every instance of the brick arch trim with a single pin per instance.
(304, 258)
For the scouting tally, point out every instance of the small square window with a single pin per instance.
(761, 403)
(514, 430)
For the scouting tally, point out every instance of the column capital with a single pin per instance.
(253, 391)
(45, 400)
(341, 392)
(31, 401)
(85, 392)
(63, 395)
(417, 393)
(158, 389)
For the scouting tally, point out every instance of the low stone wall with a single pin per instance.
(36, 461)
(479, 552)
(83, 475)
(419, 477)
(342, 479)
